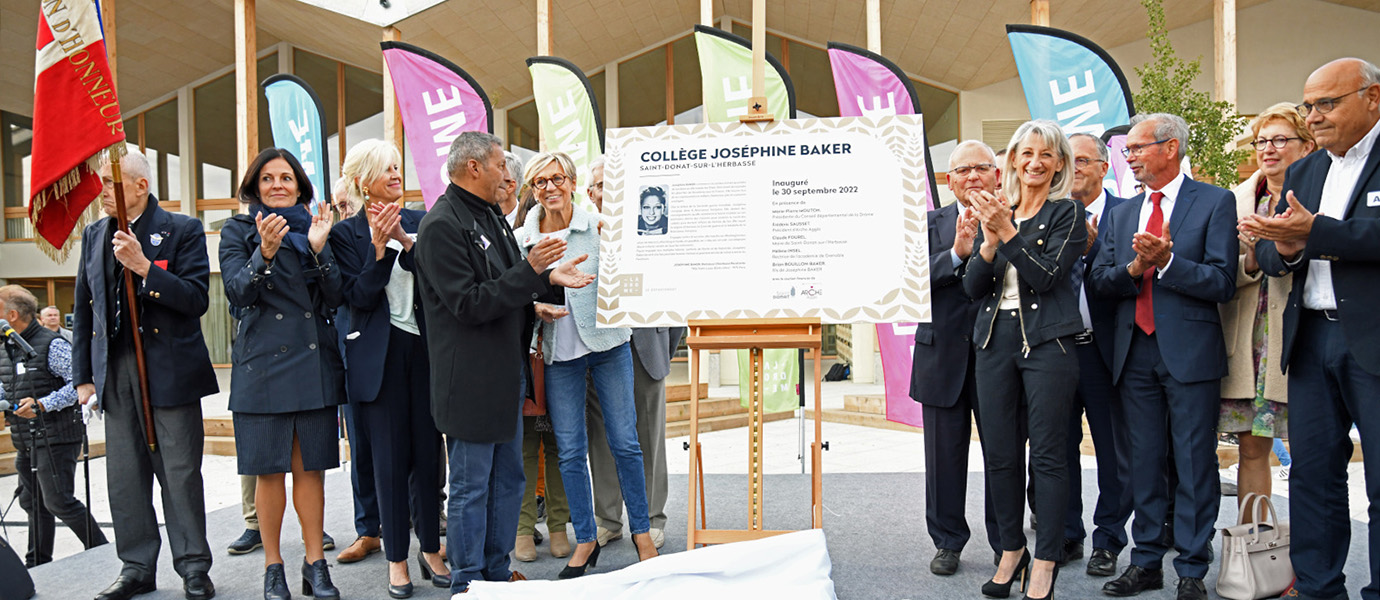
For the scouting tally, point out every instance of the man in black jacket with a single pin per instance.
(477, 294)
(47, 448)
(166, 256)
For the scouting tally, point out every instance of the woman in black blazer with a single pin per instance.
(390, 374)
(1031, 238)
(288, 376)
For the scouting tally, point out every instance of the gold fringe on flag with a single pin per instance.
(58, 193)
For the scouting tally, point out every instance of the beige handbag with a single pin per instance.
(1255, 555)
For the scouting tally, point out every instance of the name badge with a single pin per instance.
(20, 369)
(484, 242)
(1373, 198)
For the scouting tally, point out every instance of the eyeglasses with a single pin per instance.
(1278, 141)
(342, 206)
(1324, 105)
(1130, 150)
(1083, 163)
(597, 186)
(981, 168)
(557, 180)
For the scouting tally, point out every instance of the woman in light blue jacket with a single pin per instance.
(572, 347)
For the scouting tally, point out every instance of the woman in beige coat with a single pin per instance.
(1254, 400)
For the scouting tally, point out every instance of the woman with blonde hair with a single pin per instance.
(1028, 243)
(1254, 392)
(573, 347)
(389, 376)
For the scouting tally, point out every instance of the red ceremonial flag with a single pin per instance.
(76, 116)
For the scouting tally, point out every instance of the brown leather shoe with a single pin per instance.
(359, 549)
(516, 576)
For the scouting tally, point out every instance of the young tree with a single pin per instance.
(1166, 85)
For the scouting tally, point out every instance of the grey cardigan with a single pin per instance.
(582, 239)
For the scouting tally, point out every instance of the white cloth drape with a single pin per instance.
(793, 565)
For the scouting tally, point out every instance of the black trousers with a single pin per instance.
(1328, 392)
(406, 448)
(948, 436)
(1100, 400)
(1034, 387)
(57, 470)
(1166, 417)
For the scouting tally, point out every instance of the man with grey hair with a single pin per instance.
(513, 183)
(165, 253)
(45, 425)
(942, 378)
(477, 291)
(1168, 258)
(1327, 234)
(51, 318)
(1096, 396)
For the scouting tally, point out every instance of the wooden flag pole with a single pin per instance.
(131, 307)
(757, 106)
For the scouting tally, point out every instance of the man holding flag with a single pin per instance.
(135, 287)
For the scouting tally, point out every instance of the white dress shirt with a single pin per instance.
(1318, 293)
(1171, 196)
(1092, 210)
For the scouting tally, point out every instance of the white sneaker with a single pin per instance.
(1283, 473)
(658, 537)
(605, 536)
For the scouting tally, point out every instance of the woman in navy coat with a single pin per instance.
(390, 375)
(288, 375)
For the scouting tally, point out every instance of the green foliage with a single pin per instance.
(1166, 85)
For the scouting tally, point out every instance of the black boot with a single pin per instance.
(316, 580)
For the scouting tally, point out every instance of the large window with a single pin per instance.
(217, 161)
(16, 144)
(157, 134)
(642, 89)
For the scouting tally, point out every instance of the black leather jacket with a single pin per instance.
(1045, 252)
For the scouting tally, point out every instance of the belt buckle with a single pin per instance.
(1083, 338)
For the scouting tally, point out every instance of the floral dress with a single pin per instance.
(1257, 416)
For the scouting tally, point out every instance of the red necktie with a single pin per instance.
(1145, 303)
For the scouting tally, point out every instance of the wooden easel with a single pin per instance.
(753, 335)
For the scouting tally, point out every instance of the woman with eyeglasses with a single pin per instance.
(389, 375)
(1254, 392)
(573, 347)
(288, 378)
(1030, 239)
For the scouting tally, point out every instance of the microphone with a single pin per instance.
(18, 340)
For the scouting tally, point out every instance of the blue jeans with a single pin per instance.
(486, 484)
(565, 402)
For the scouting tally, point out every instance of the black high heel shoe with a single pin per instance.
(399, 591)
(1052, 580)
(992, 589)
(440, 581)
(275, 583)
(570, 572)
(316, 580)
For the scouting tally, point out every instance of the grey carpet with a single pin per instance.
(874, 524)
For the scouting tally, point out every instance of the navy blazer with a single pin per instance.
(1351, 244)
(942, 347)
(286, 354)
(1101, 310)
(1201, 276)
(363, 280)
(171, 301)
